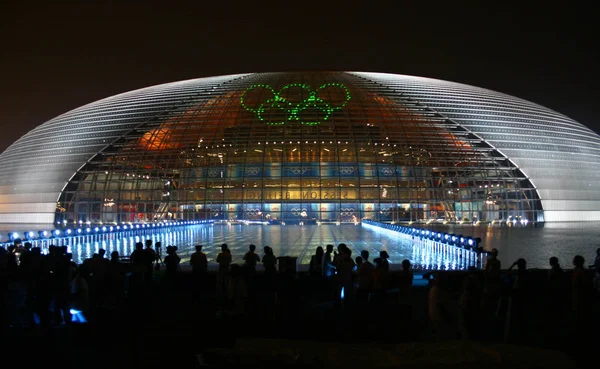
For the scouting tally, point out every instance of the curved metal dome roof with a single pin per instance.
(559, 156)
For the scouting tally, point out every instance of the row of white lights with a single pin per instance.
(448, 238)
(104, 229)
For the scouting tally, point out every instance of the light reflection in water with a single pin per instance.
(430, 255)
(297, 241)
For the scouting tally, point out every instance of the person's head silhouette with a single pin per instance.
(521, 264)
(578, 261)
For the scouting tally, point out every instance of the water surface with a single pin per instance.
(535, 244)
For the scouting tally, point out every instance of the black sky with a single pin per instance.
(57, 57)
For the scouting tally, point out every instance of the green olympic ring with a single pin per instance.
(277, 105)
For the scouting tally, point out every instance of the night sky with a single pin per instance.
(55, 58)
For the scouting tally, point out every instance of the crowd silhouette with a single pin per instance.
(515, 305)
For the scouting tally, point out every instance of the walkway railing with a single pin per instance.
(436, 250)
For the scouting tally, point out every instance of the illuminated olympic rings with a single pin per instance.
(298, 211)
(252, 171)
(347, 212)
(346, 170)
(277, 109)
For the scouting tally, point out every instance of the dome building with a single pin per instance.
(304, 147)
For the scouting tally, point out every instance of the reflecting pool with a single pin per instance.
(535, 244)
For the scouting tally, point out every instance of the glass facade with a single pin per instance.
(304, 147)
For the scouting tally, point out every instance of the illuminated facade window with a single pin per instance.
(304, 147)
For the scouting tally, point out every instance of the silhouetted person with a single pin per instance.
(315, 268)
(269, 262)
(364, 276)
(198, 261)
(199, 264)
(151, 257)
(116, 277)
(62, 286)
(405, 281)
(172, 261)
(327, 262)
(556, 303)
(19, 250)
(556, 285)
(115, 257)
(139, 262)
(79, 301)
(493, 283)
(385, 269)
(357, 261)
(250, 260)
(345, 267)
(315, 273)
(379, 294)
(580, 289)
(385, 264)
(98, 269)
(138, 256)
(224, 261)
(24, 256)
(555, 274)
(158, 259)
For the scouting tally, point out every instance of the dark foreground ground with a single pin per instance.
(168, 325)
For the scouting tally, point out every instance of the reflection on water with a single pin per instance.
(536, 245)
(432, 255)
(292, 240)
(428, 255)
